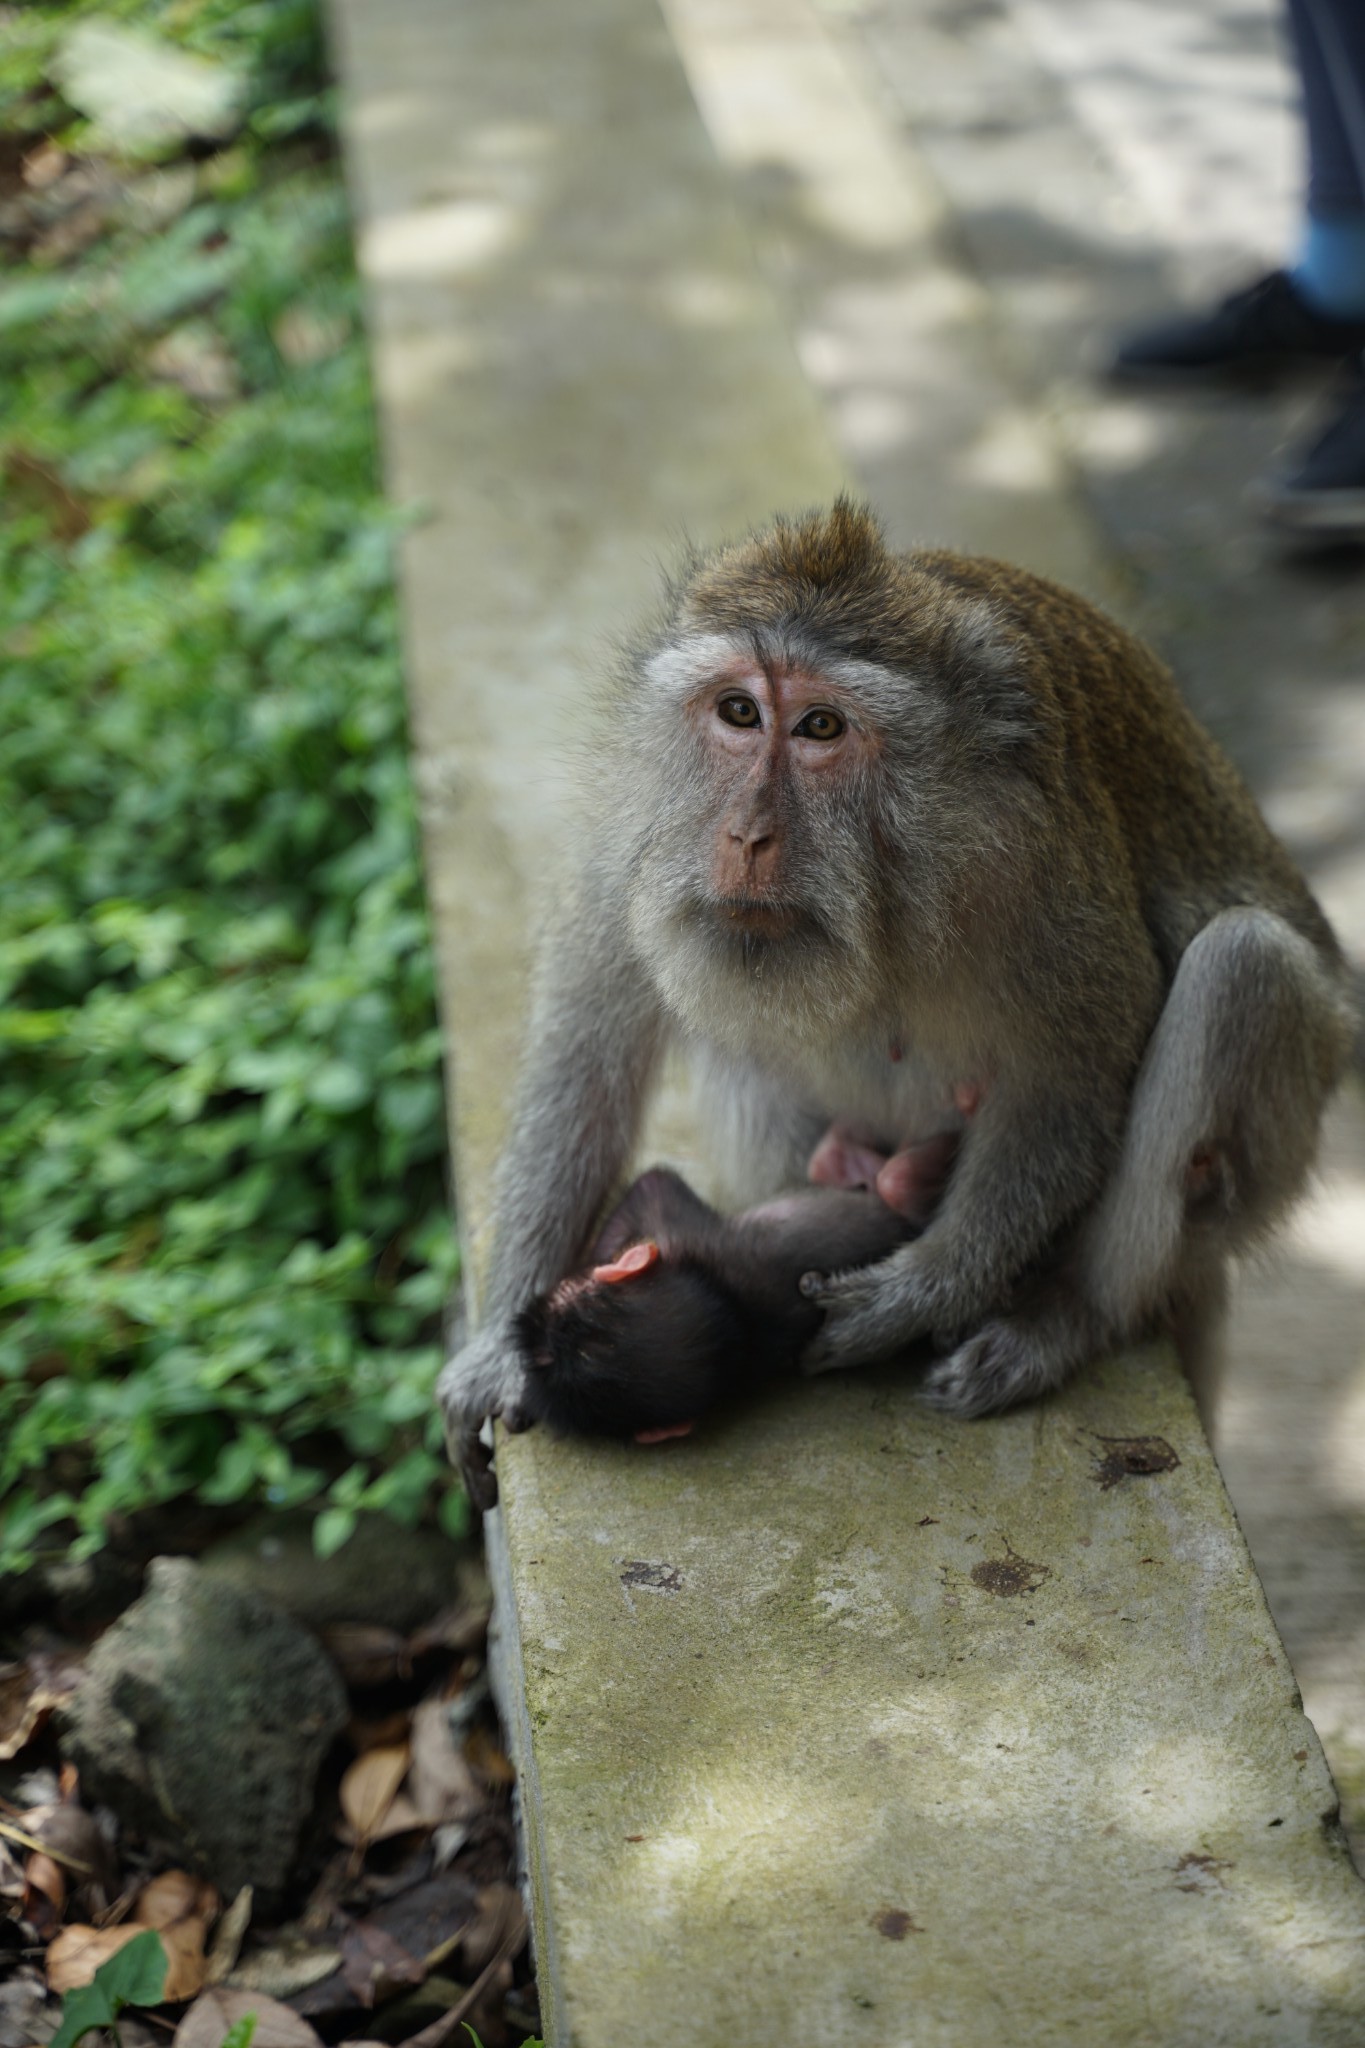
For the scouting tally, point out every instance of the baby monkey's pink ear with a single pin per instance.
(636, 1258)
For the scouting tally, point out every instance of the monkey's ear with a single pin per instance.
(635, 1259)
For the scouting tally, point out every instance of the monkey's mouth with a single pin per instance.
(759, 916)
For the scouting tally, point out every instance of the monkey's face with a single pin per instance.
(758, 880)
(824, 767)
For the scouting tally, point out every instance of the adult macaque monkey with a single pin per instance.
(914, 844)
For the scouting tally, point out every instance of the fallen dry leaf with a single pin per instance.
(179, 1906)
(386, 1732)
(461, 1627)
(485, 2000)
(175, 1895)
(186, 1964)
(499, 1925)
(488, 1759)
(366, 1654)
(77, 1952)
(73, 1837)
(285, 1970)
(44, 1893)
(43, 166)
(370, 1787)
(447, 1842)
(228, 1936)
(212, 2014)
(402, 1818)
(16, 1688)
(375, 1966)
(441, 1784)
(29, 1692)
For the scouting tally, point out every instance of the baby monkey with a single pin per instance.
(682, 1306)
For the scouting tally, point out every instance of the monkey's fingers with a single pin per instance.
(866, 1318)
(474, 1459)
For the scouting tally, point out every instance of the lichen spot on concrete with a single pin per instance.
(639, 1575)
(895, 1923)
(1009, 1574)
(1196, 1873)
(1132, 1457)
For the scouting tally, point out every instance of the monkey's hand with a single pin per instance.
(869, 1313)
(485, 1378)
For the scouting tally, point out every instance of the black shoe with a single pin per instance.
(1258, 335)
(1323, 491)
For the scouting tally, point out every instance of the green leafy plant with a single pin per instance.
(133, 1975)
(242, 2032)
(225, 1241)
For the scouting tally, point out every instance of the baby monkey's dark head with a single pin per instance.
(637, 1348)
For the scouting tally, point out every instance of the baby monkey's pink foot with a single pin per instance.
(912, 1180)
(842, 1161)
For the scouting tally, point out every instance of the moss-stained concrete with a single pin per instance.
(852, 1724)
(840, 1723)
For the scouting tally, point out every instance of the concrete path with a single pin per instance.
(845, 1724)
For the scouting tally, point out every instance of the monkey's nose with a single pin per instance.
(757, 849)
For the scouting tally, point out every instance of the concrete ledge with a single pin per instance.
(841, 1723)
(846, 1723)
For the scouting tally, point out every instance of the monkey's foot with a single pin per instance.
(1003, 1363)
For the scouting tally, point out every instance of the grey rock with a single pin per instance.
(202, 1721)
(383, 1574)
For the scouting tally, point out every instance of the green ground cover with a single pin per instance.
(224, 1242)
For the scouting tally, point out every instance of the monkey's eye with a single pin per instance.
(820, 725)
(740, 711)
